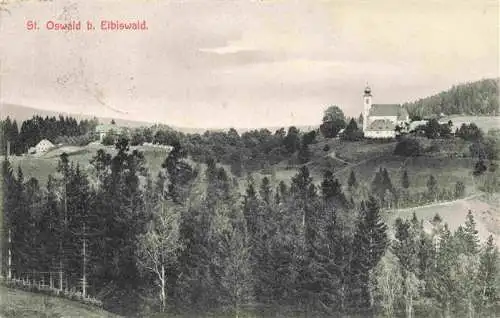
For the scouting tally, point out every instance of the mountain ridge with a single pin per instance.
(21, 113)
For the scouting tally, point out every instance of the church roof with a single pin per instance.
(388, 110)
(381, 124)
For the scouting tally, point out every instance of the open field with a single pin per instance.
(42, 165)
(484, 122)
(486, 213)
(16, 303)
(363, 157)
(446, 170)
(366, 157)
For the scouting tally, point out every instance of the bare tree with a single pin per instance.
(157, 248)
(389, 282)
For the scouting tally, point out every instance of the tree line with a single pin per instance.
(33, 130)
(244, 153)
(476, 98)
(187, 241)
(401, 194)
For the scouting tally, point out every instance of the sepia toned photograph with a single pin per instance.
(250, 158)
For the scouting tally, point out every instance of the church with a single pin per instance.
(380, 120)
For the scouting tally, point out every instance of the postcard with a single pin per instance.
(249, 158)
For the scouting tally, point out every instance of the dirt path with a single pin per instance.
(472, 196)
(352, 165)
(334, 156)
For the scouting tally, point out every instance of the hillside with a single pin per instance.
(362, 157)
(15, 303)
(475, 98)
(486, 213)
(447, 160)
(42, 165)
(486, 123)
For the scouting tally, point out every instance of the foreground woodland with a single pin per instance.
(185, 241)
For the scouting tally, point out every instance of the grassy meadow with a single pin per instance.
(363, 157)
(484, 122)
(16, 303)
(486, 211)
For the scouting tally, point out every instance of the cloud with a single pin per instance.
(260, 59)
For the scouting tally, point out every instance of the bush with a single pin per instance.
(408, 147)
(470, 132)
(432, 148)
(109, 139)
(353, 136)
(459, 189)
(352, 132)
(330, 129)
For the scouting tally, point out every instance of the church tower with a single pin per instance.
(367, 102)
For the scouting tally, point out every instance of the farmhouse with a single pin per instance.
(102, 130)
(42, 147)
(380, 120)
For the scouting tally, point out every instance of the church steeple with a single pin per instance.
(367, 104)
(368, 90)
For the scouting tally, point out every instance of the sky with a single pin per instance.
(242, 63)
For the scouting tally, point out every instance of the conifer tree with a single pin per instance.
(265, 190)
(334, 250)
(51, 227)
(459, 190)
(432, 188)
(352, 182)
(442, 285)
(251, 210)
(370, 243)
(304, 154)
(486, 287)
(405, 181)
(10, 208)
(180, 174)
(121, 208)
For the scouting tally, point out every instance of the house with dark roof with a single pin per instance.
(381, 120)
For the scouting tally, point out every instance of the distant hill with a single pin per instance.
(474, 99)
(21, 113)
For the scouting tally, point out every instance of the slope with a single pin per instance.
(16, 303)
(474, 98)
(486, 212)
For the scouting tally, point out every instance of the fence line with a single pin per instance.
(40, 286)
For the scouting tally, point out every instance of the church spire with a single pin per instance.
(367, 98)
(368, 90)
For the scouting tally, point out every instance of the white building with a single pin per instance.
(42, 147)
(417, 123)
(104, 129)
(380, 120)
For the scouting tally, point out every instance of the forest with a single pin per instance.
(478, 98)
(186, 241)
